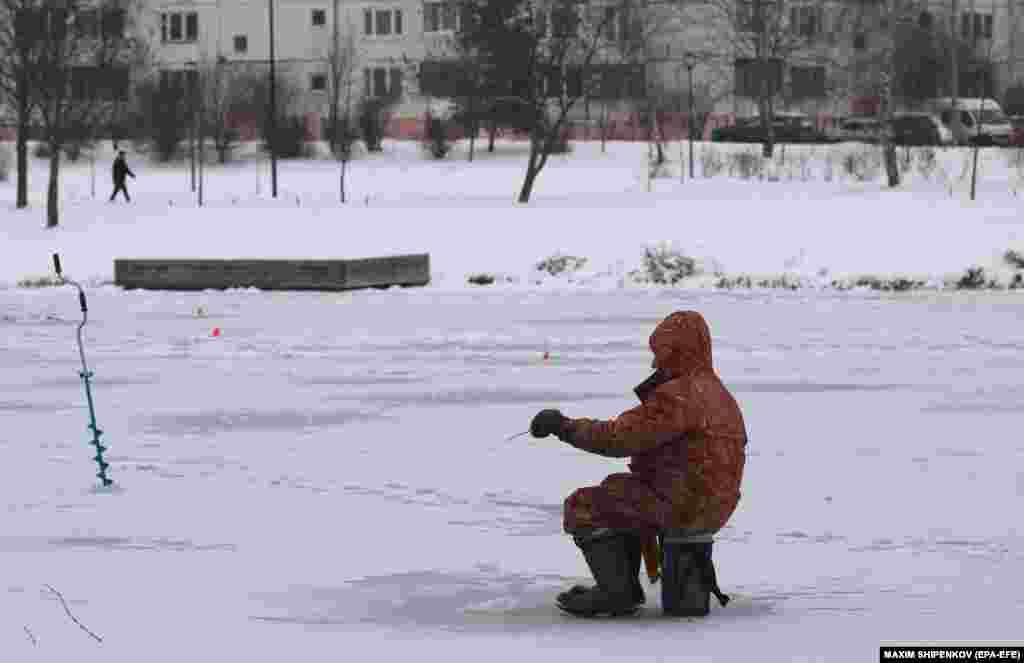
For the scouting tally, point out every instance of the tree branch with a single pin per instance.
(73, 618)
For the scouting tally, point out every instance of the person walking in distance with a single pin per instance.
(120, 172)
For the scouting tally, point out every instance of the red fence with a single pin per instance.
(620, 127)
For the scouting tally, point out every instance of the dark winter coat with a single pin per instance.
(686, 441)
(121, 170)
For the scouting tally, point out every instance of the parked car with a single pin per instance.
(918, 129)
(787, 128)
(858, 129)
(1017, 130)
(982, 121)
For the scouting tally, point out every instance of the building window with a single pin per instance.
(108, 24)
(975, 25)
(746, 17)
(396, 82)
(609, 23)
(383, 83)
(318, 82)
(805, 21)
(112, 22)
(807, 82)
(440, 17)
(926, 20)
(241, 44)
(439, 78)
(380, 82)
(749, 77)
(608, 81)
(431, 16)
(182, 82)
(90, 82)
(382, 22)
(860, 41)
(564, 21)
(319, 18)
(88, 23)
(179, 27)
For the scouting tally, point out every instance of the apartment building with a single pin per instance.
(400, 43)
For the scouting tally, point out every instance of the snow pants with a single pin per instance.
(622, 501)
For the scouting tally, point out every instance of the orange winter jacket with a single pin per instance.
(687, 439)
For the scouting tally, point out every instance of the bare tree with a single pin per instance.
(989, 60)
(900, 72)
(549, 53)
(82, 51)
(342, 60)
(220, 92)
(757, 40)
(18, 57)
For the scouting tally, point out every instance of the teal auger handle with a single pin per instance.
(86, 374)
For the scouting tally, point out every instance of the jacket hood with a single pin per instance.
(682, 343)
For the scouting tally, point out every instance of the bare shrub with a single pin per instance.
(559, 264)
(1015, 159)
(927, 162)
(664, 265)
(830, 165)
(747, 164)
(904, 159)
(5, 164)
(973, 279)
(711, 162)
(435, 140)
(862, 164)
(1014, 259)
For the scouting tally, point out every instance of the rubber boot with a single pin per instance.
(635, 560)
(611, 565)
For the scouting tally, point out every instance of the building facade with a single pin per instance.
(826, 68)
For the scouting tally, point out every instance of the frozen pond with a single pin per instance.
(330, 475)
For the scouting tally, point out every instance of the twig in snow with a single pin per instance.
(31, 637)
(73, 618)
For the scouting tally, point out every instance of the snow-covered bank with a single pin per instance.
(812, 233)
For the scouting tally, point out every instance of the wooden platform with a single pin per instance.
(186, 274)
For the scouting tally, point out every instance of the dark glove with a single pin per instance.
(547, 422)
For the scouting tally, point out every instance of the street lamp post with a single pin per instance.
(679, 111)
(191, 84)
(690, 59)
(273, 106)
(202, 137)
(197, 134)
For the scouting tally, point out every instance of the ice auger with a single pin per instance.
(86, 376)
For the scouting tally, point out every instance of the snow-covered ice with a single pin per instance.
(330, 477)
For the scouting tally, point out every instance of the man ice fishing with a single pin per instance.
(686, 442)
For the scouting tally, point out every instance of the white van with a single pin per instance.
(981, 120)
